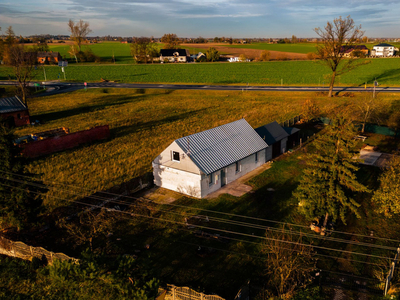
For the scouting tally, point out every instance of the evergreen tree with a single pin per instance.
(20, 202)
(388, 195)
(329, 181)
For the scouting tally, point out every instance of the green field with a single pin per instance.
(293, 48)
(105, 50)
(386, 71)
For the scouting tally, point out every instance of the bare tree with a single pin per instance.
(289, 261)
(368, 108)
(23, 63)
(90, 227)
(79, 31)
(73, 51)
(338, 36)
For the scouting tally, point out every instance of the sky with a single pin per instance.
(194, 18)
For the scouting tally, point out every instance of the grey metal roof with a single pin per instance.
(11, 104)
(272, 132)
(170, 52)
(383, 45)
(216, 148)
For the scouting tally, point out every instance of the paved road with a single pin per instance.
(63, 87)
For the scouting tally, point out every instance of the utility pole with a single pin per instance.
(44, 72)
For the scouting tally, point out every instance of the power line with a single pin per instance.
(206, 210)
(230, 222)
(235, 233)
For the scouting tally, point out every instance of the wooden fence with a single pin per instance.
(185, 293)
(24, 251)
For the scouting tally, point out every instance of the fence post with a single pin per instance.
(173, 292)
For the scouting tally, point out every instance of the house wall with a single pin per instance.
(185, 163)
(21, 118)
(173, 59)
(247, 165)
(177, 180)
(268, 154)
(284, 145)
(383, 51)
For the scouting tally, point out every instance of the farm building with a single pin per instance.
(383, 50)
(354, 51)
(276, 137)
(48, 57)
(174, 55)
(202, 163)
(14, 111)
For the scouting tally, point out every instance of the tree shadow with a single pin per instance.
(139, 126)
(389, 75)
(101, 103)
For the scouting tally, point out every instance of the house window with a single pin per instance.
(210, 179)
(237, 167)
(176, 156)
(256, 156)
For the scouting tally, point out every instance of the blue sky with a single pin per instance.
(207, 18)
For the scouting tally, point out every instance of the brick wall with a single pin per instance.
(60, 143)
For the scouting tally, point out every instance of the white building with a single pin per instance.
(383, 50)
(201, 163)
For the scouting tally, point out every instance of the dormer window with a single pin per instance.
(176, 156)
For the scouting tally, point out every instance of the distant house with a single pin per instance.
(234, 59)
(202, 163)
(349, 51)
(49, 57)
(14, 111)
(383, 50)
(174, 55)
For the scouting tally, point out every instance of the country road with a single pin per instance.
(54, 88)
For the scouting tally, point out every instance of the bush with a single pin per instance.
(88, 56)
(311, 56)
(265, 56)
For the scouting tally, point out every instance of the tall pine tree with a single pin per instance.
(329, 181)
(387, 197)
(20, 202)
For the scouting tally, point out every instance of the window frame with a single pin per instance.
(237, 167)
(179, 156)
(210, 179)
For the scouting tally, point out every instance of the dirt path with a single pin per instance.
(250, 53)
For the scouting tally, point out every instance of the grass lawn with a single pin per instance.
(385, 71)
(105, 50)
(142, 123)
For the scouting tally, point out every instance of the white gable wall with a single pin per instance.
(177, 180)
(182, 176)
(185, 163)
